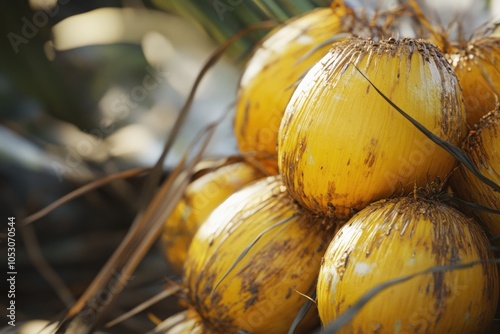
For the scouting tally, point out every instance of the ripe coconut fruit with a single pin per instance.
(200, 198)
(250, 263)
(483, 148)
(341, 146)
(399, 237)
(274, 69)
(476, 66)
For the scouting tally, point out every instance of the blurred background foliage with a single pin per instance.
(89, 88)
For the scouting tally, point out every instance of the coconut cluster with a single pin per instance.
(343, 217)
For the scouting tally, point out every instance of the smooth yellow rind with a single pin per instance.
(399, 237)
(201, 197)
(271, 75)
(483, 148)
(342, 146)
(477, 69)
(261, 293)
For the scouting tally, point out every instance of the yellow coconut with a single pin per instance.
(394, 238)
(477, 67)
(251, 261)
(342, 146)
(275, 67)
(201, 197)
(483, 147)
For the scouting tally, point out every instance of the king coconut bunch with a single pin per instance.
(218, 227)
(358, 135)
(340, 237)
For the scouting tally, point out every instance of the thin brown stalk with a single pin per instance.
(306, 296)
(84, 190)
(141, 307)
(422, 21)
